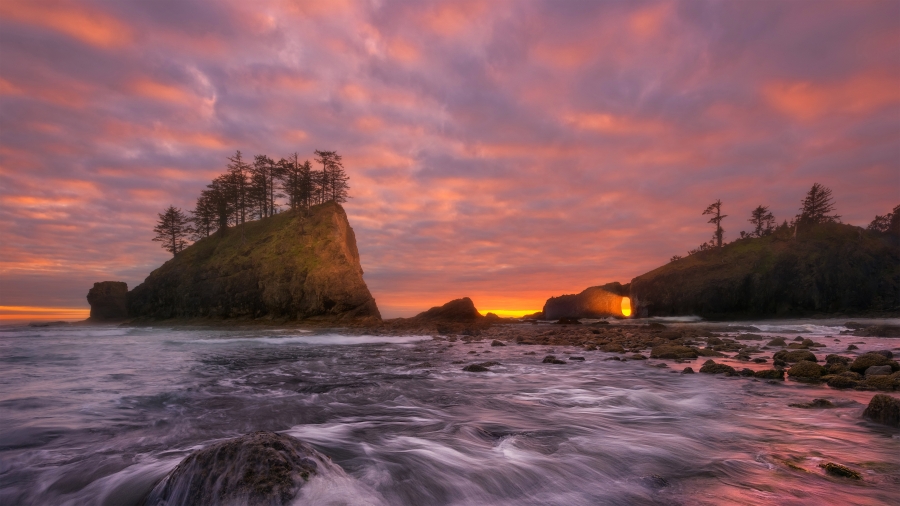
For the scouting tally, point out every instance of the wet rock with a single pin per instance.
(529, 353)
(883, 409)
(550, 359)
(773, 374)
(878, 370)
(791, 356)
(778, 341)
(746, 372)
(815, 404)
(760, 360)
(878, 331)
(852, 347)
(884, 383)
(568, 321)
(842, 382)
(670, 335)
(887, 353)
(835, 368)
(475, 368)
(590, 347)
(837, 359)
(581, 359)
(263, 468)
(713, 341)
(497, 343)
(710, 367)
(798, 339)
(688, 370)
(840, 470)
(806, 371)
(673, 351)
(613, 358)
(867, 360)
(654, 481)
(750, 337)
(612, 348)
(707, 352)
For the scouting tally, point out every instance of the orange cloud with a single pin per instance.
(91, 27)
(646, 23)
(807, 101)
(612, 124)
(161, 91)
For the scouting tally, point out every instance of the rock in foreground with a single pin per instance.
(263, 468)
(883, 409)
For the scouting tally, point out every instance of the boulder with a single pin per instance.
(612, 348)
(495, 342)
(806, 371)
(778, 341)
(772, 374)
(842, 382)
(109, 301)
(878, 331)
(550, 359)
(673, 351)
(795, 356)
(883, 409)
(710, 367)
(878, 370)
(867, 360)
(688, 370)
(263, 468)
(840, 470)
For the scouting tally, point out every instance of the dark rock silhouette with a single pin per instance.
(593, 302)
(263, 468)
(883, 409)
(827, 268)
(458, 310)
(109, 301)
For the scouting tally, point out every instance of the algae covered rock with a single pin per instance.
(806, 371)
(673, 351)
(771, 374)
(263, 468)
(795, 356)
(711, 367)
(883, 409)
(840, 470)
(867, 360)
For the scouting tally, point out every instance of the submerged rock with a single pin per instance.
(550, 359)
(263, 468)
(815, 404)
(840, 470)
(673, 351)
(883, 409)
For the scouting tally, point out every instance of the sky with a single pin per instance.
(504, 151)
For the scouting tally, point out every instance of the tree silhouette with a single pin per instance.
(236, 185)
(334, 178)
(816, 206)
(762, 220)
(204, 216)
(172, 229)
(887, 223)
(715, 209)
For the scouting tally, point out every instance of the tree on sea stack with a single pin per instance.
(762, 220)
(715, 209)
(816, 206)
(172, 230)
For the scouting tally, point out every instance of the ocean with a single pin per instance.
(98, 415)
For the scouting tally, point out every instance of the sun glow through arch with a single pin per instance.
(626, 306)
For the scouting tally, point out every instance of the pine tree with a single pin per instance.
(887, 223)
(715, 209)
(172, 229)
(334, 178)
(762, 220)
(204, 216)
(816, 206)
(236, 182)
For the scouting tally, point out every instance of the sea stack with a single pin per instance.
(109, 301)
(291, 266)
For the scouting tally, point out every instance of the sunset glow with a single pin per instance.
(626, 306)
(499, 150)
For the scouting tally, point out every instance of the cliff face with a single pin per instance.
(285, 266)
(108, 300)
(593, 302)
(828, 268)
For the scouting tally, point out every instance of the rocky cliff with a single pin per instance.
(593, 302)
(287, 266)
(829, 268)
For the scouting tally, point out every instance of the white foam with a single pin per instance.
(329, 339)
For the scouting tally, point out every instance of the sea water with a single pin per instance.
(98, 415)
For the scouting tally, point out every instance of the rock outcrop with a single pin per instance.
(263, 468)
(289, 266)
(883, 409)
(593, 302)
(827, 268)
(109, 301)
(457, 310)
